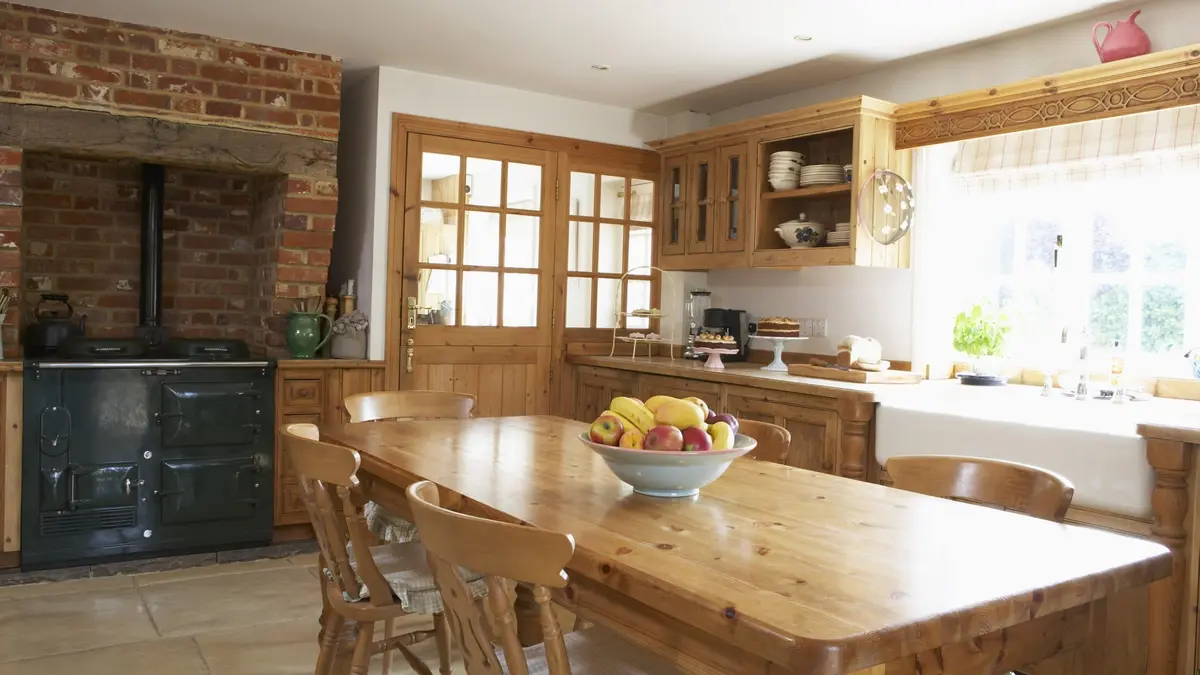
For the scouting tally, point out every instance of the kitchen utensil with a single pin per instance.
(886, 206)
(49, 329)
(658, 473)
(854, 375)
(1123, 41)
(801, 233)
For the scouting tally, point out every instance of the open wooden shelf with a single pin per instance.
(811, 191)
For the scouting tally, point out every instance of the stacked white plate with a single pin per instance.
(822, 174)
(840, 235)
(784, 170)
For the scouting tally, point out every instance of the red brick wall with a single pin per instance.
(11, 198)
(82, 237)
(67, 59)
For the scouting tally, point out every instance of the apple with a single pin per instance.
(665, 438)
(633, 439)
(606, 430)
(710, 418)
(730, 420)
(696, 439)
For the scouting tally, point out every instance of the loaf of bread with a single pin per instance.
(853, 350)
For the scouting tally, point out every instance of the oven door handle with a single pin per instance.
(159, 417)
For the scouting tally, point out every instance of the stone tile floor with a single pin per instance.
(238, 618)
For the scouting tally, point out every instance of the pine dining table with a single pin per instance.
(774, 570)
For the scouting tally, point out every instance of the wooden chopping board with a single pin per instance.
(854, 375)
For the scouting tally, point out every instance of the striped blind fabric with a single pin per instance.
(1145, 144)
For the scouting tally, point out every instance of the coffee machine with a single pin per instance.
(731, 322)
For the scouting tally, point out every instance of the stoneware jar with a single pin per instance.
(304, 334)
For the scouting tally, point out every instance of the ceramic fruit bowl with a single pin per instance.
(661, 473)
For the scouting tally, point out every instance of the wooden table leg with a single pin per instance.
(529, 627)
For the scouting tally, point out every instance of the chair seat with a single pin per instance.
(599, 651)
(387, 525)
(406, 571)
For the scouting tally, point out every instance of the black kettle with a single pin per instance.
(50, 328)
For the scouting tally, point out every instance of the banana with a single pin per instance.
(633, 410)
(625, 421)
(654, 402)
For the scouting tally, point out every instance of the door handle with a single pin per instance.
(408, 357)
(412, 313)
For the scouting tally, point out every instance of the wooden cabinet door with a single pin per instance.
(595, 388)
(702, 181)
(814, 432)
(731, 214)
(674, 200)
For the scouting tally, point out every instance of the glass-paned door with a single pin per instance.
(701, 200)
(730, 221)
(674, 199)
(478, 271)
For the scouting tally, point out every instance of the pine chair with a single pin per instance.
(363, 583)
(378, 406)
(525, 555)
(990, 482)
(773, 440)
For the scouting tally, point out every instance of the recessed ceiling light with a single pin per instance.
(802, 38)
(599, 66)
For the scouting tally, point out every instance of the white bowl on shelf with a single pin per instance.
(788, 154)
(783, 186)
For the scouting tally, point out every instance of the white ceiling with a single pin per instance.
(666, 56)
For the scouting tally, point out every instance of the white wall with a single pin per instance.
(870, 302)
(367, 147)
(1052, 50)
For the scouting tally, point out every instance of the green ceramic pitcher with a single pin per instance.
(304, 334)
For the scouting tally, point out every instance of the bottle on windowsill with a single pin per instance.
(1115, 371)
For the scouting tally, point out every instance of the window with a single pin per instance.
(610, 233)
(1087, 229)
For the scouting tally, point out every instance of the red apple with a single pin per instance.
(728, 419)
(606, 430)
(696, 439)
(710, 418)
(665, 438)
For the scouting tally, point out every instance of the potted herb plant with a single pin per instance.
(979, 333)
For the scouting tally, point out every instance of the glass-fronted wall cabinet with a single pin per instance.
(730, 221)
(700, 201)
(674, 217)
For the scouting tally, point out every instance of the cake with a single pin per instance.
(708, 340)
(778, 326)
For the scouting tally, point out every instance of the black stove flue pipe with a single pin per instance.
(153, 187)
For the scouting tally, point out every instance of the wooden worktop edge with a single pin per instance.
(724, 377)
(324, 364)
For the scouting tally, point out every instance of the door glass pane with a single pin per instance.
(435, 297)
(612, 243)
(641, 200)
(520, 299)
(521, 241)
(702, 210)
(583, 194)
(480, 294)
(524, 186)
(612, 197)
(607, 302)
(439, 236)
(676, 184)
(481, 241)
(733, 220)
(733, 176)
(579, 247)
(640, 241)
(440, 177)
(637, 296)
(579, 302)
(676, 223)
(483, 181)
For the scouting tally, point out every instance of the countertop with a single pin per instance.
(1160, 417)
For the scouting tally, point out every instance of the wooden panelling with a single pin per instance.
(1160, 80)
(596, 387)
(656, 385)
(10, 463)
(814, 432)
(505, 380)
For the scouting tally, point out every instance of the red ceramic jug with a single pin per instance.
(1124, 40)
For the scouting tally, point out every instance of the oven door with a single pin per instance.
(200, 413)
(212, 489)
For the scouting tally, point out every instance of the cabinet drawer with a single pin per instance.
(302, 393)
(657, 385)
(815, 432)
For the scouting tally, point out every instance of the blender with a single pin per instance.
(698, 302)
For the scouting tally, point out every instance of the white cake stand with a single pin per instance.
(777, 366)
(714, 356)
